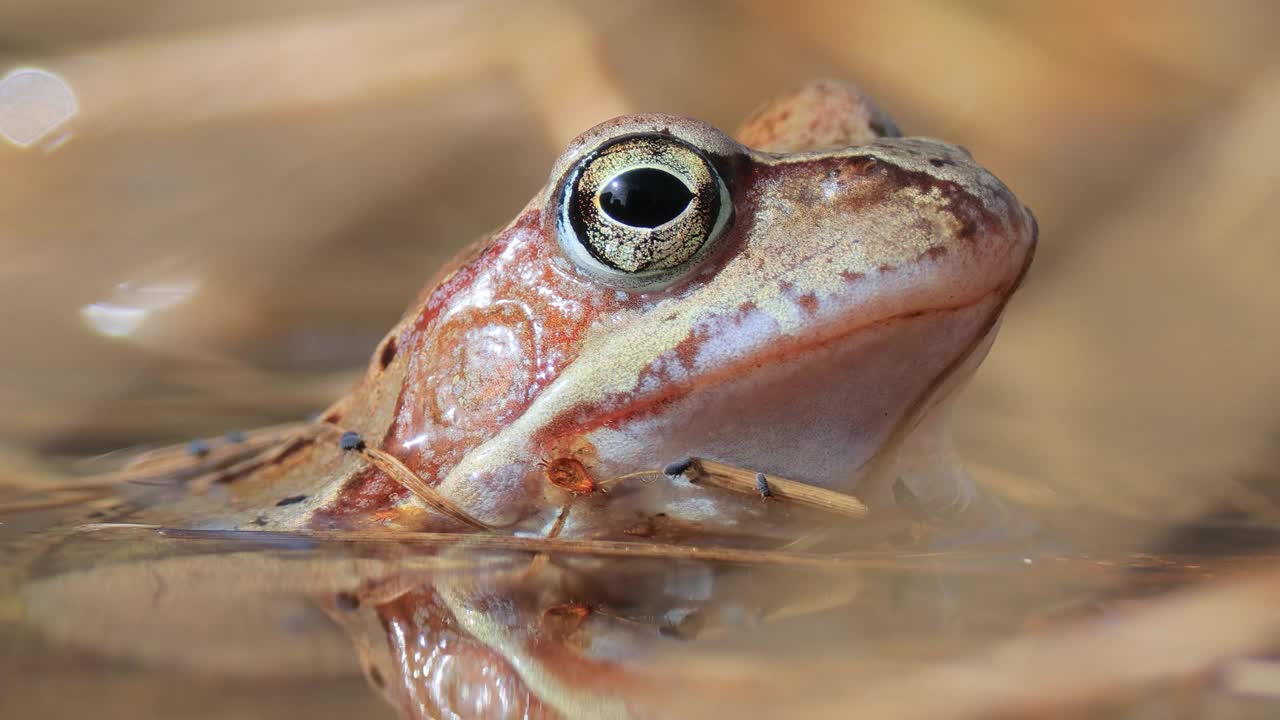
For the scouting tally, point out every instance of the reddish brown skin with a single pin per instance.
(431, 343)
(823, 114)
(519, 280)
(518, 267)
(428, 625)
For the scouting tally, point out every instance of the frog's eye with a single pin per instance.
(641, 210)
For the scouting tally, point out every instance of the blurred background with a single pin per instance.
(211, 212)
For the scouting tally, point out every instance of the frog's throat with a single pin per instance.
(919, 451)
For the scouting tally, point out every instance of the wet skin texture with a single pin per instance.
(848, 283)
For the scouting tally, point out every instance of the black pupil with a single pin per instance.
(645, 197)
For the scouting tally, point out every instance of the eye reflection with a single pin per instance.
(645, 197)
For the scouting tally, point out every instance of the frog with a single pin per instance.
(803, 302)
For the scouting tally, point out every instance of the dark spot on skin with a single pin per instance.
(388, 353)
(935, 252)
(198, 448)
(687, 349)
(333, 418)
(292, 448)
(260, 521)
(808, 301)
(96, 514)
(940, 162)
(885, 269)
(367, 492)
(862, 165)
(346, 601)
(968, 229)
(375, 678)
(351, 441)
(851, 276)
(291, 500)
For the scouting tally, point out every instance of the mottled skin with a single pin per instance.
(858, 283)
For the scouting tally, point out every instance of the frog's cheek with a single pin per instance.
(814, 411)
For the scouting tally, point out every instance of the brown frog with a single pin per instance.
(803, 302)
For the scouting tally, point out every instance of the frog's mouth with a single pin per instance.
(816, 408)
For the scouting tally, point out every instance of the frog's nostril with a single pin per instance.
(388, 353)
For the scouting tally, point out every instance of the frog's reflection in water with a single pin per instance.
(445, 633)
(568, 636)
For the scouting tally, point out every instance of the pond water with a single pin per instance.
(119, 621)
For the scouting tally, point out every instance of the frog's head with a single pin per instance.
(796, 305)
(802, 307)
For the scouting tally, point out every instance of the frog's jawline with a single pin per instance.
(930, 397)
(584, 418)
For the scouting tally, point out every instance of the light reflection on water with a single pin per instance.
(34, 103)
(130, 305)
